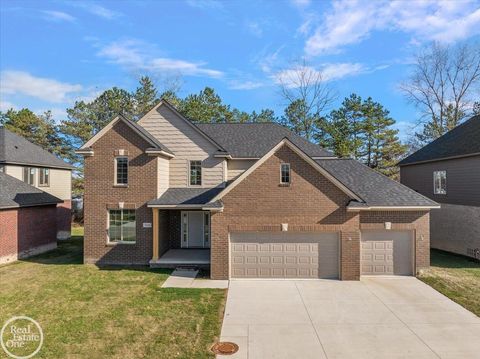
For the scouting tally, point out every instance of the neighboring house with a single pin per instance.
(247, 200)
(448, 171)
(28, 220)
(33, 165)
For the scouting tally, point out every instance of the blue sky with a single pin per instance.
(55, 52)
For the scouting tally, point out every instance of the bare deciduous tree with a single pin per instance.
(444, 83)
(307, 96)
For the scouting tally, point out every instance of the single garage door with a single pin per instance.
(284, 255)
(387, 253)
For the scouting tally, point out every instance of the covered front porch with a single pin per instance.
(181, 227)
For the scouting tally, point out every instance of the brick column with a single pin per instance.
(350, 255)
(219, 251)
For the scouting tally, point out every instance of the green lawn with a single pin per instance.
(108, 313)
(456, 277)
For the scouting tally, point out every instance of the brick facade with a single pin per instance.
(101, 194)
(64, 219)
(27, 231)
(311, 203)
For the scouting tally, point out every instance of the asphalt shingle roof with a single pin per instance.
(16, 149)
(253, 140)
(15, 193)
(462, 140)
(374, 188)
(175, 196)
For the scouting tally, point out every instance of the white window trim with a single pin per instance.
(184, 231)
(114, 243)
(189, 169)
(35, 180)
(434, 182)
(115, 171)
(39, 176)
(289, 174)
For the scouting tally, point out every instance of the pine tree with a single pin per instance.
(145, 97)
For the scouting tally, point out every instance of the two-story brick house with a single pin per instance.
(35, 198)
(247, 200)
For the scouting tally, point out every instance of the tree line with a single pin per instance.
(443, 85)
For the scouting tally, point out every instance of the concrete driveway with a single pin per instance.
(396, 317)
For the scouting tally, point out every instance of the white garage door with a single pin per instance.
(284, 255)
(387, 253)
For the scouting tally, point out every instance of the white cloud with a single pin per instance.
(50, 90)
(326, 73)
(53, 15)
(349, 22)
(97, 10)
(135, 55)
(245, 85)
(6, 105)
(254, 28)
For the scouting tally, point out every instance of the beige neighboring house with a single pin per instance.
(31, 164)
(447, 170)
(250, 200)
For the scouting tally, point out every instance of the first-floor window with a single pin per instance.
(122, 225)
(29, 175)
(44, 177)
(285, 173)
(440, 182)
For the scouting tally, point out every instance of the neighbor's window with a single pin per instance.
(122, 225)
(29, 175)
(44, 177)
(440, 182)
(285, 173)
(195, 173)
(121, 170)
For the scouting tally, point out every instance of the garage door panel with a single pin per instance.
(387, 253)
(285, 255)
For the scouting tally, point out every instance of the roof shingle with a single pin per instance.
(463, 140)
(16, 149)
(15, 193)
(374, 188)
(253, 140)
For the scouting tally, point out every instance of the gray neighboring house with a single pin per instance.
(448, 171)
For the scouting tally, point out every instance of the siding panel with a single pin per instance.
(187, 144)
(463, 180)
(237, 167)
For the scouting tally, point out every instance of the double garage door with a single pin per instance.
(284, 255)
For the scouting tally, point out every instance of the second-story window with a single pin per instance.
(440, 182)
(29, 175)
(44, 177)
(195, 173)
(285, 173)
(121, 171)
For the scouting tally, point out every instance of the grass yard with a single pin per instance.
(87, 312)
(456, 277)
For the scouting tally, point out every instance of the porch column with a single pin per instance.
(155, 234)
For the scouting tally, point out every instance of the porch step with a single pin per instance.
(185, 258)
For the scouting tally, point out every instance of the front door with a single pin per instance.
(195, 229)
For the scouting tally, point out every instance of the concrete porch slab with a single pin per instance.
(177, 257)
